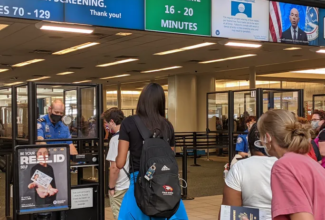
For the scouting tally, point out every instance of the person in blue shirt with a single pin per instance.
(242, 147)
(51, 127)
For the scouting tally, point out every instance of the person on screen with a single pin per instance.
(294, 35)
(43, 196)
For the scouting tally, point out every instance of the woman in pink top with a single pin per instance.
(297, 181)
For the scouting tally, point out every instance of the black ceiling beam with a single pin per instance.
(313, 3)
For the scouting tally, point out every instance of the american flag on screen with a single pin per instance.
(275, 22)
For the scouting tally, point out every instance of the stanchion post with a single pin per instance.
(184, 171)
(195, 150)
(7, 186)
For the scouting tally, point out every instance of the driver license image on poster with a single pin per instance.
(241, 19)
(41, 179)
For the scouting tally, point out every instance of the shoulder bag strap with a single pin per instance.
(316, 150)
(144, 131)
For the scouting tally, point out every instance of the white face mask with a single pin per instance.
(262, 144)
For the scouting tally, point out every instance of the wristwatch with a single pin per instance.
(111, 188)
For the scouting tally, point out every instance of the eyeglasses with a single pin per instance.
(315, 119)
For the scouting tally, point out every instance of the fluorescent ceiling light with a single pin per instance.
(245, 83)
(118, 76)
(185, 48)
(85, 81)
(123, 34)
(3, 26)
(11, 84)
(228, 58)
(40, 78)
(75, 48)
(162, 69)
(64, 73)
(320, 51)
(311, 71)
(3, 70)
(292, 48)
(82, 30)
(27, 62)
(117, 62)
(236, 44)
(125, 92)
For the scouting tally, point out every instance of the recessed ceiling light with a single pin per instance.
(311, 71)
(40, 78)
(185, 48)
(85, 81)
(3, 70)
(228, 58)
(292, 48)
(162, 69)
(124, 34)
(65, 28)
(118, 76)
(320, 51)
(75, 48)
(3, 26)
(64, 73)
(236, 44)
(117, 62)
(11, 84)
(27, 62)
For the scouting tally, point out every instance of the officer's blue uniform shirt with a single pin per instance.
(242, 143)
(47, 130)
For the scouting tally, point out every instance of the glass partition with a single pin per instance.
(80, 104)
(319, 102)
(5, 113)
(217, 111)
(244, 106)
(22, 112)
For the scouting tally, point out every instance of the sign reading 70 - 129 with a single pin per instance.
(179, 16)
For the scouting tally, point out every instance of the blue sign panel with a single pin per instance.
(112, 13)
(321, 39)
(32, 9)
(109, 13)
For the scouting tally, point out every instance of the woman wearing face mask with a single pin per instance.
(297, 181)
(317, 120)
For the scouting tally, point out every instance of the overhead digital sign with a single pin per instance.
(321, 39)
(32, 9)
(241, 19)
(108, 13)
(181, 16)
(293, 24)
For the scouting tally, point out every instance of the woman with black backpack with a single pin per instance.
(154, 191)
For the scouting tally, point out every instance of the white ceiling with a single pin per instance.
(19, 41)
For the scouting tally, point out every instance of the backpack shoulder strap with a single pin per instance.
(144, 131)
(316, 150)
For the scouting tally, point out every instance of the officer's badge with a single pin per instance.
(39, 125)
(239, 140)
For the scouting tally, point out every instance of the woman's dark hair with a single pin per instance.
(114, 114)
(151, 110)
(253, 136)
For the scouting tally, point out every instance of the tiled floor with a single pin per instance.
(202, 208)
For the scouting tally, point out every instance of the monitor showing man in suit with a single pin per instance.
(294, 35)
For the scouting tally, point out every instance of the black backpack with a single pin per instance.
(159, 197)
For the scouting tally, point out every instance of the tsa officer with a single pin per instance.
(242, 147)
(51, 127)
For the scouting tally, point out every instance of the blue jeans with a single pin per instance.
(130, 210)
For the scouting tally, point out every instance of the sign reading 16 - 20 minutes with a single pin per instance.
(179, 16)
